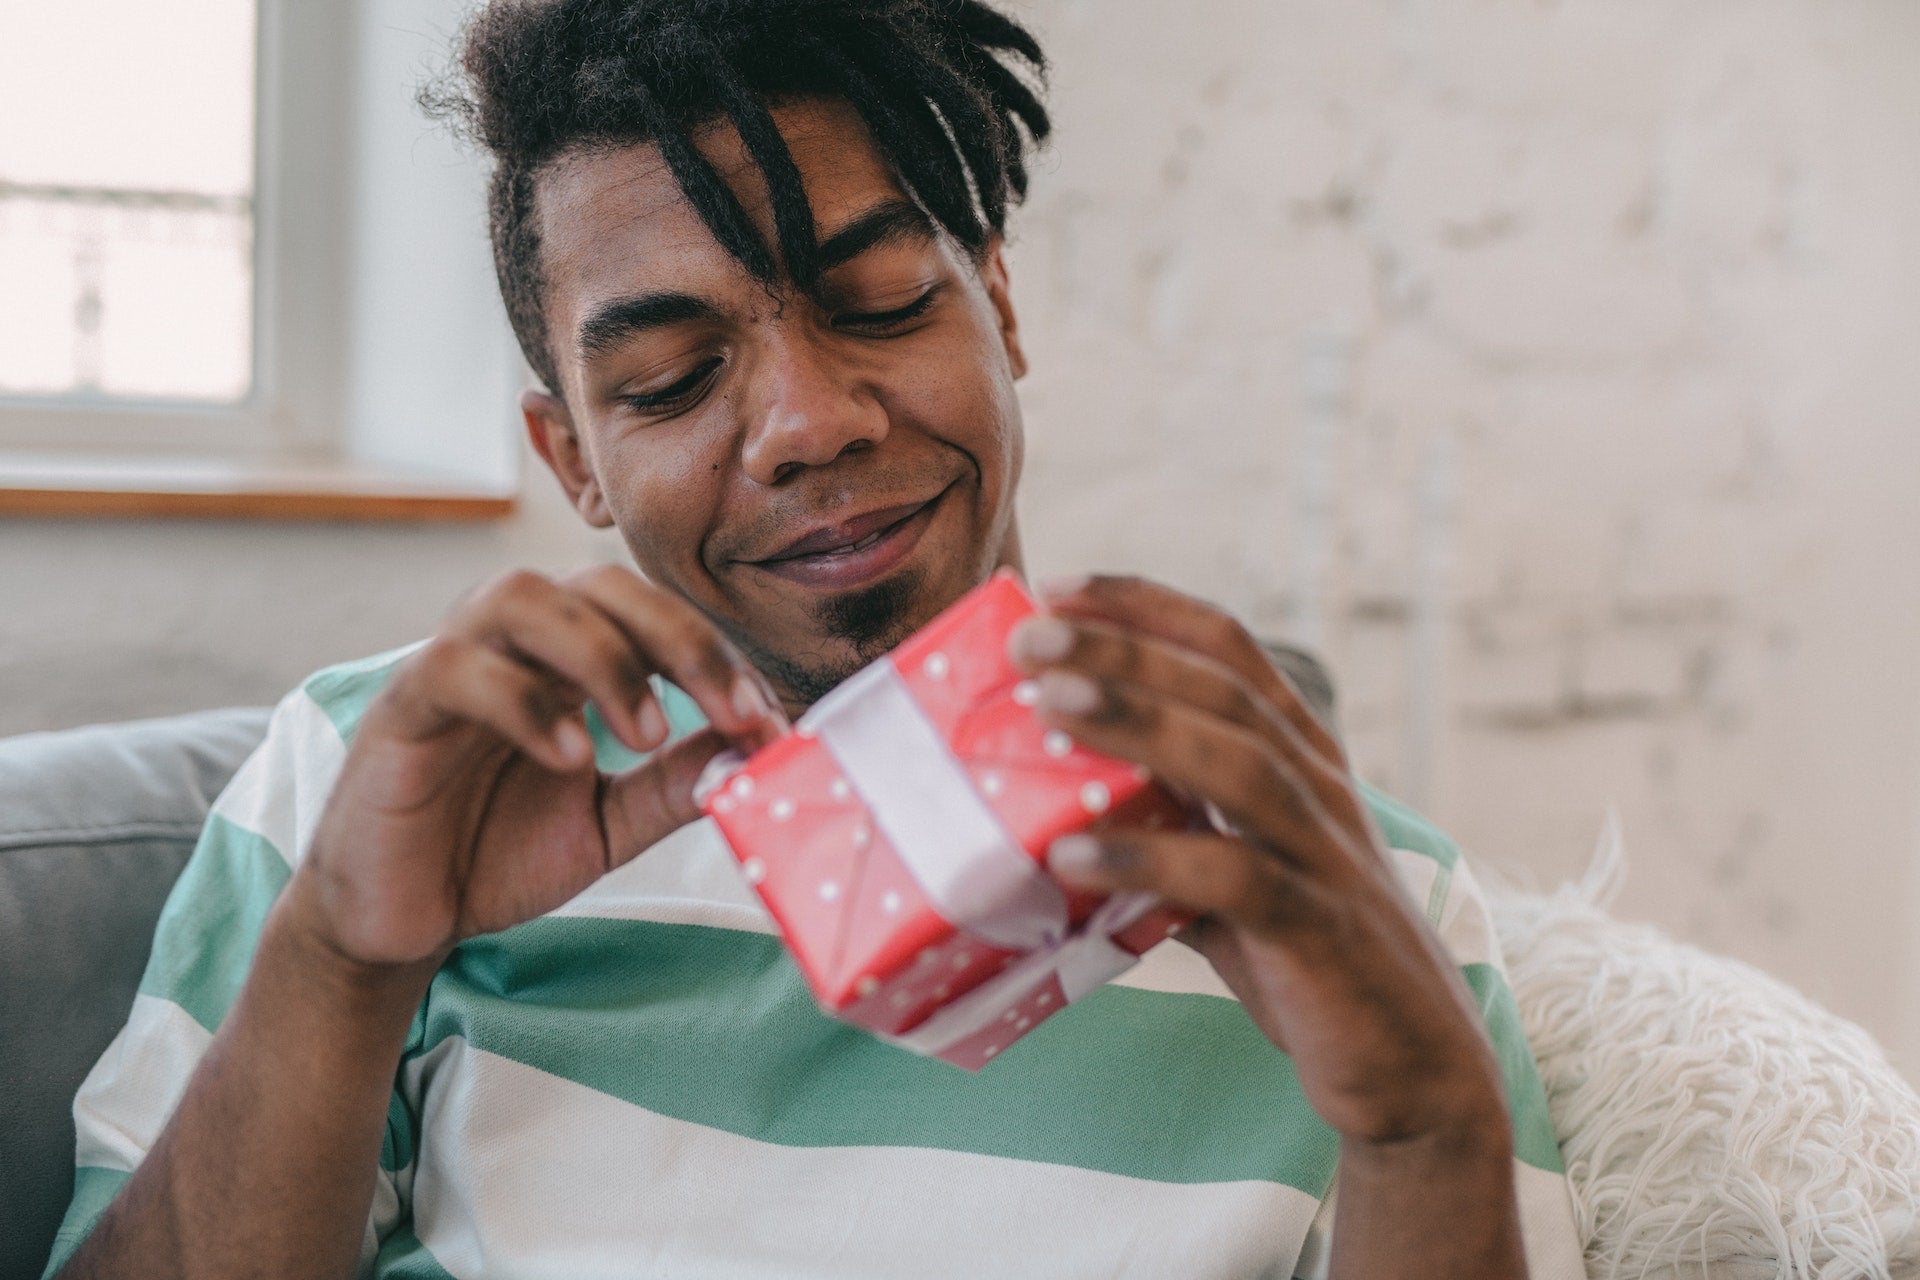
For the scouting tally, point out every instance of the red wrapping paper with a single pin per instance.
(874, 943)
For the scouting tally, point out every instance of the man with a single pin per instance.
(456, 984)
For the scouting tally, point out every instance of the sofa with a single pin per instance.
(1767, 1140)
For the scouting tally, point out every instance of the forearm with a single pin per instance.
(268, 1163)
(1438, 1205)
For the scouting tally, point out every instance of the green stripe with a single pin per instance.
(403, 1257)
(93, 1190)
(398, 1143)
(345, 691)
(713, 1026)
(683, 717)
(1406, 829)
(1533, 1139)
(207, 932)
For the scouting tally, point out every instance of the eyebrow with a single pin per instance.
(613, 323)
(607, 326)
(890, 222)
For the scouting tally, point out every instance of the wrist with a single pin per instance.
(1477, 1133)
(1437, 1202)
(297, 944)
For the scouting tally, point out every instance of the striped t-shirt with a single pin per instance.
(638, 1084)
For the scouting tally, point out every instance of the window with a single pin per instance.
(126, 202)
(235, 259)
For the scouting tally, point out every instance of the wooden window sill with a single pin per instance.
(73, 486)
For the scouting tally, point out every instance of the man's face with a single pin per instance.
(820, 479)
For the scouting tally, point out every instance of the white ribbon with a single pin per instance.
(1081, 964)
(951, 843)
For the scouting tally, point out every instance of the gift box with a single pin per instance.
(898, 837)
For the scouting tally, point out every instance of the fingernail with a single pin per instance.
(748, 702)
(1075, 854)
(1041, 639)
(652, 721)
(1065, 584)
(575, 746)
(1068, 692)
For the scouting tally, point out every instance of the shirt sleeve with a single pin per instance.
(1441, 883)
(203, 947)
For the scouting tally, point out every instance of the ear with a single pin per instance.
(550, 429)
(993, 274)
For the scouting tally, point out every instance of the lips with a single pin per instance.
(852, 553)
(849, 535)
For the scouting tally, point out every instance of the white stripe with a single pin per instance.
(127, 1097)
(688, 877)
(1547, 1224)
(278, 794)
(1175, 968)
(1466, 926)
(522, 1173)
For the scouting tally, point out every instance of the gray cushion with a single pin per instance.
(95, 824)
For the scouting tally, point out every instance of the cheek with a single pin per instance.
(964, 395)
(663, 500)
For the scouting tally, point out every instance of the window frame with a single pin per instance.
(301, 123)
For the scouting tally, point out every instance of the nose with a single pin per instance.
(805, 410)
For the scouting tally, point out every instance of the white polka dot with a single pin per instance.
(928, 955)
(755, 870)
(742, 787)
(990, 1050)
(1056, 743)
(862, 836)
(866, 986)
(962, 958)
(942, 991)
(1094, 797)
(890, 902)
(1023, 1024)
(1012, 1014)
(1026, 693)
(840, 790)
(992, 784)
(1044, 999)
(1173, 928)
(829, 891)
(900, 999)
(780, 810)
(936, 666)
(723, 803)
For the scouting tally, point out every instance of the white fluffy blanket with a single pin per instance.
(1715, 1123)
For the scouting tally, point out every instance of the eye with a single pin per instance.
(677, 394)
(884, 323)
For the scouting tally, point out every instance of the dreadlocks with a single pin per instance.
(544, 78)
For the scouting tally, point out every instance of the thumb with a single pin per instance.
(655, 797)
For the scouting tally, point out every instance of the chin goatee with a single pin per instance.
(872, 621)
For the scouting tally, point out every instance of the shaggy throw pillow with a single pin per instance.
(1716, 1125)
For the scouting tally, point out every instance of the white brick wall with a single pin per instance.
(1552, 367)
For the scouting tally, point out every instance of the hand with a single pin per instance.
(1301, 914)
(469, 800)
